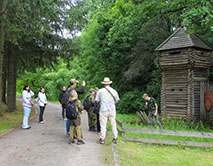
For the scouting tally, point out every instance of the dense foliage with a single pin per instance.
(118, 40)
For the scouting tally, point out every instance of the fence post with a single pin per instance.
(122, 127)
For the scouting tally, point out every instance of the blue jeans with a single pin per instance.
(151, 115)
(27, 111)
(68, 126)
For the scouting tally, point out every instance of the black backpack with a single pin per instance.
(86, 103)
(71, 112)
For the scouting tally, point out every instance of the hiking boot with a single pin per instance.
(114, 141)
(92, 129)
(80, 142)
(101, 141)
(71, 142)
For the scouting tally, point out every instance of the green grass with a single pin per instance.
(132, 121)
(146, 154)
(137, 154)
(13, 119)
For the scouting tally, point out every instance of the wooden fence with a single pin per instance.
(165, 132)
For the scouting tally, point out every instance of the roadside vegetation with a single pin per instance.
(132, 121)
(138, 154)
(9, 120)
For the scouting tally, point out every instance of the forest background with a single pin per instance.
(45, 43)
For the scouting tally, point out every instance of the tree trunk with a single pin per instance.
(11, 91)
(4, 80)
(2, 35)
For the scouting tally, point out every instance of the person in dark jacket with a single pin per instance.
(72, 87)
(63, 99)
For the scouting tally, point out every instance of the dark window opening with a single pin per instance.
(174, 52)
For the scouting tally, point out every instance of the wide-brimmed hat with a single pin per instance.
(106, 81)
(73, 80)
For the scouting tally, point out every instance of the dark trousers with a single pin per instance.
(41, 113)
(151, 115)
(63, 110)
(98, 123)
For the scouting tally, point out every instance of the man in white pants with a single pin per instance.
(107, 97)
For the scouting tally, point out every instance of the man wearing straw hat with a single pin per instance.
(107, 97)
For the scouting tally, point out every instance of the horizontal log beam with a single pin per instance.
(168, 132)
(169, 142)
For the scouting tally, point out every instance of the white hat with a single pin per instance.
(106, 81)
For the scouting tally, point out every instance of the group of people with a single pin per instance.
(102, 107)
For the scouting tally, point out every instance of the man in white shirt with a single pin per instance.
(107, 97)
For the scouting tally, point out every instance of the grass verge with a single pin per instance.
(146, 154)
(138, 154)
(12, 119)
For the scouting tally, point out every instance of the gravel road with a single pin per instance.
(47, 144)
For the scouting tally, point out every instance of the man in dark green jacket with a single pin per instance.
(152, 106)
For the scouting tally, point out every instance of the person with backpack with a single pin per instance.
(42, 104)
(107, 97)
(152, 106)
(63, 99)
(73, 112)
(73, 87)
(92, 118)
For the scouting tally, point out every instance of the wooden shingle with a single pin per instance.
(181, 40)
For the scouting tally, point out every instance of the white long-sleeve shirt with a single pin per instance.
(26, 98)
(42, 99)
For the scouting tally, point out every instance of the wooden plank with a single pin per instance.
(146, 118)
(169, 142)
(202, 107)
(197, 144)
(141, 118)
(151, 140)
(169, 132)
(119, 123)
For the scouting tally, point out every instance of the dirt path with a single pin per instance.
(47, 144)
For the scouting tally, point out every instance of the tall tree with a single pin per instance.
(12, 67)
(2, 39)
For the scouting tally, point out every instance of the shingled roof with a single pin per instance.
(181, 40)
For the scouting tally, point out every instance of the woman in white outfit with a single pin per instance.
(42, 101)
(27, 105)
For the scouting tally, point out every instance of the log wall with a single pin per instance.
(182, 72)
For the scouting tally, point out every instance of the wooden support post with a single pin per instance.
(122, 129)
(203, 89)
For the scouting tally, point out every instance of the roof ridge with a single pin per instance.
(174, 33)
(190, 39)
(205, 42)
